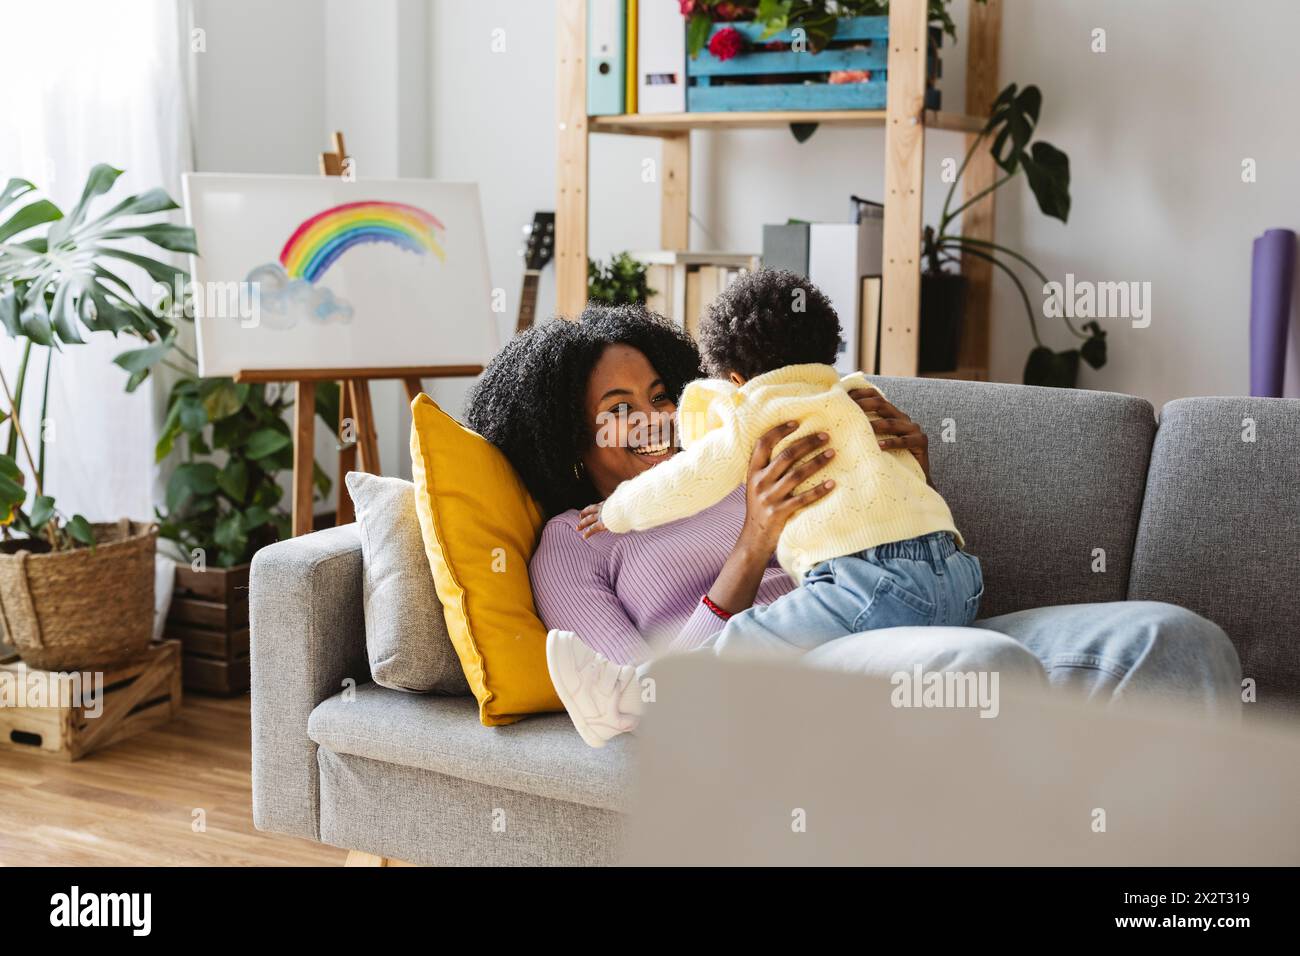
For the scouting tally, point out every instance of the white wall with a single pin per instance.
(1156, 129)
(274, 83)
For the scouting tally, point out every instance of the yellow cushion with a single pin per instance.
(480, 527)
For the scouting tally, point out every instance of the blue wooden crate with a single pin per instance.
(770, 71)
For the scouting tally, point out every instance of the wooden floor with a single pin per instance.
(133, 804)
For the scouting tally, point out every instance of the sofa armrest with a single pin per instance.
(307, 632)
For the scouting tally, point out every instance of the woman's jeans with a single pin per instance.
(919, 582)
(1110, 653)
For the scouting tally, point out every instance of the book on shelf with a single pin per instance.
(785, 246)
(686, 283)
(839, 255)
(661, 57)
(606, 49)
(869, 323)
(629, 56)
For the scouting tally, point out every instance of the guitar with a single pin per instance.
(539, 249)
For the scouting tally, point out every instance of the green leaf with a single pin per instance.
(1094, 350)
(189, 480)
(9, 468)
(138, 360)
(193, 416)
(13, 189)
(33, 214)
(153, 200)
(81, 530)
(167, 439)
(161, 234)
(42, 511)
(233, 479)
(9, 311)
(158, 271)
(697, 32)
(222, 401)
(1048, 172)
(99, 181)
(266, 441)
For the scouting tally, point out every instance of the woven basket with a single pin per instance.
(82, 609)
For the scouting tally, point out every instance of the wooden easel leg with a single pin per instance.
(345, 513)
(304, 455)
(364, 416)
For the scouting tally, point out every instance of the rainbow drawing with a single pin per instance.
(317, 243)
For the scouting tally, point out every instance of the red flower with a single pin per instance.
(688, 7)
(726, 11)
(726, 43)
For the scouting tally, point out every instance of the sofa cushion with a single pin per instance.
(1038, 479)
(1219, 530)
(543, 756)
(406, 634)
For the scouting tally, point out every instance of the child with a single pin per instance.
(878, 551)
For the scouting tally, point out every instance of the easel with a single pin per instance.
(354, 405)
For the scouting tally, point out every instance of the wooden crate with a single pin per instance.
(759, 80)
(209, 616)
(136, 697)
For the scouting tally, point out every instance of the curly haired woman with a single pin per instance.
(547, 400)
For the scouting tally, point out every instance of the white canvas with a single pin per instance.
(367, 274)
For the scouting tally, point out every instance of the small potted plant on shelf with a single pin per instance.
(73, 594)
(1009, 134)
(622, 282)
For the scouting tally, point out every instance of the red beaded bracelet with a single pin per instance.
(725, 615)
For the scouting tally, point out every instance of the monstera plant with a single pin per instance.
(1009, 134)
(59, 279)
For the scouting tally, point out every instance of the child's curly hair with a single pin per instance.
(767, 319)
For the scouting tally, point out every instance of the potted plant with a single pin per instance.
(223, 503)
(73, 594)
(622, 282)
(1009, 134)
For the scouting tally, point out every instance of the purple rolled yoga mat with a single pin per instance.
(1272, 276)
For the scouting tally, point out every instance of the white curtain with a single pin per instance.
(89, 81)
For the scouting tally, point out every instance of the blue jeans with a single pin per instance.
(1111, 653)
(918, 582)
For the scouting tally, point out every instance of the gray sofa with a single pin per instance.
(1190, 512)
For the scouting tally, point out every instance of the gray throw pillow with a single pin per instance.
(406, 635)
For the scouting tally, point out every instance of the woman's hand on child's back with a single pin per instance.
(769, 489)
(589, 522)
(894, 429)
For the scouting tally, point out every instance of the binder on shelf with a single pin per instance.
(630, 56)
(839, 255)
(785, 246)
(661, 57)
(606, 69)
(685, 283)
(869, 353)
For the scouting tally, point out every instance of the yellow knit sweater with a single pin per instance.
(879, 496)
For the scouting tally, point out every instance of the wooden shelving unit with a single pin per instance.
(904, 119)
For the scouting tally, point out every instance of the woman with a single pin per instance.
(579, 407)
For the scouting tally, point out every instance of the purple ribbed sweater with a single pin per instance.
(636, 596)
